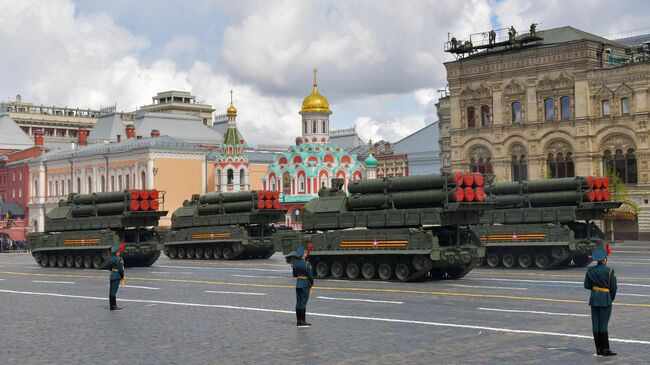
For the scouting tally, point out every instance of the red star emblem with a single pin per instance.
(375, 244)
(514, 236)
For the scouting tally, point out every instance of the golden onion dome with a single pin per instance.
(315, 102)
(232, 111)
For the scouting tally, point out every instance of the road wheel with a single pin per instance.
(558, 252)
(207, 253)
(198, 253)
(60, 261)
(352, 269)
(493, 259)
(337, 270)
(45, 261)
(508, 260)
(385, 271)
(182, 253)
(97, 262)
(172, 253)
(69, 261)
(542, 260)
(88, 262)
(228, 252)
(189, 253)
(368, 271)
(524, 260)
(217, 253)
(78, 262)
(322, 269)
(402, 272)
(53, 261)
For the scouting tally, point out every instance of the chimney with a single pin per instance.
(38, 137)
(83, 137)
(119, 138)
(155, 133)
(130, 131)
(298, 141)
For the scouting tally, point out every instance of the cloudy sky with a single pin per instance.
(380, 62)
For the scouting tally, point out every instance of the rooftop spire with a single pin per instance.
(315, 71)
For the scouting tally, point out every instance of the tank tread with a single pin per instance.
(217, 251)
(90, 259)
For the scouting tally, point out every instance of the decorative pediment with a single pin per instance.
(545, 84)
(563, 82)
(603, 93)
(517, 149)
(513, 88)
(480, 93)
(623, 90)
(478, 152)
(617, 141)
(558, 146)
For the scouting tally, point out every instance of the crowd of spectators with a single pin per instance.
(8, 245)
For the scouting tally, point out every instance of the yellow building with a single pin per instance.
(553, 103)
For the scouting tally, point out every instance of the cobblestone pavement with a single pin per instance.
(239, 312)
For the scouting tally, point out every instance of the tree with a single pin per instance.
(619, 192)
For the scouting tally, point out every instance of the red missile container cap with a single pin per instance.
(479, 194)
(276, 195)
(154, 205)
(591, 181)
(268, 204)
(599, 195)
(458, 178)
(144, 205)
(598, 183)
(135, 205)
(135, 194)
(459, 195)
(261, 204)
(268, 195)
(607, 195)
(469, 194)
(276, 204)
(468, 179)
(260, 194)
(605, 181)
(153, 194)
(144, 194)
(591, 195)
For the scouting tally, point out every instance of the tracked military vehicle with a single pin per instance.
(544, 223)
(224, 226)
(402, 228)
(81, 230)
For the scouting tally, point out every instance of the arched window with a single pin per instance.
(89, 188)
(78, 185)
(323, 125)
(112, 182)
(471, 118)
(625, 106)
(217, 178)
(549, 110)
(301, 183)
(516, 113)
(565, 107)
(230, 176)
(143, 180)
(606, 108)
(519, 168)
(103, 183)
(313, 126)
(119, 182)
(560, 165)
(286, 183)
(242, 178)
(56, 188)
(128, 181)
(323, 181)
(485, 116)
(622, 165)
(273, 184)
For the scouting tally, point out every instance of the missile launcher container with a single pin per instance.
(544, 224)
(224, 226)
(80, 231)
(403, 229)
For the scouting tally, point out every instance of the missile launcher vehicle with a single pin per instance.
(224, 226)
(544, 223)
(402, 228)
(81, 230)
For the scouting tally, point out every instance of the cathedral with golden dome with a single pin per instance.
(313, 161)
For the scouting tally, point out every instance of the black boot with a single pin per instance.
(599, 350)
(114, 306)
(304, 320)
(301, 321)
(298, 317)
(110, 301)
(604, 344)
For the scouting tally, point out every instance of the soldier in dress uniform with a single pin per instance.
(601, 280)
(116, 266)
(302, 270)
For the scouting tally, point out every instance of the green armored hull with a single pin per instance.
(80, 232)
(544, 224)
(224, 226)
(416, 228)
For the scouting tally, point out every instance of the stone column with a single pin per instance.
(150, 183)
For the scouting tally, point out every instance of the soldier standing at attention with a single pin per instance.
(601, 280)
(302, 270)
(116, 266)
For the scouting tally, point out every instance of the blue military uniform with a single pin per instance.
(303, 271)
(601, 280)
(116, 267)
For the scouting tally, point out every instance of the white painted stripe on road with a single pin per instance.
(633, 295)
(171, 272)
(487, 287)
(361, 300)
(554, 282)
(139, 287)
(327, 315)
(52, 282)
(626, 262)
(2, 279)
(221, 268)
(260, 276)
(233, 292)
(534, 312)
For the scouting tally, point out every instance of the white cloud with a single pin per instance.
(181, 45)
(391, 129)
